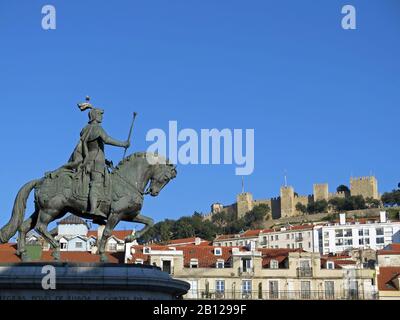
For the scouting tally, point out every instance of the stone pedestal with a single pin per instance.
(87, 281)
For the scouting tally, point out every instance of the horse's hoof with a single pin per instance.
(56, 255)
(103, 258)
(24, 257)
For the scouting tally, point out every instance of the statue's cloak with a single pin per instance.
(81, 150)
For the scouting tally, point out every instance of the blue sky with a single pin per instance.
(324, 102)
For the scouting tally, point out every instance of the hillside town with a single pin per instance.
(351, 257)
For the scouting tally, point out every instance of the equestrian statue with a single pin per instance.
(90, 187)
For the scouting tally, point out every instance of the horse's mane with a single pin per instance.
(153, 157)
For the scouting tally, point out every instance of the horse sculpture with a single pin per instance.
(54, 198)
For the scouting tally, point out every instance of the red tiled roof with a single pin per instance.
(8, 255)
(251, 233)
(205, 255)
(186, 241)
(394, 248)
(279, 254)
(386, 277)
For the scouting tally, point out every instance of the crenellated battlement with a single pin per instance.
(284, 205)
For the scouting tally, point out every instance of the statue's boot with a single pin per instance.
(93, 207)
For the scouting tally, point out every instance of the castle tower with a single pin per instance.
(320, 191)
(364, 186)
(287, 202)
(244, 203)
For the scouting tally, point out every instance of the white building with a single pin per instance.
(289, 237)
(365, 234)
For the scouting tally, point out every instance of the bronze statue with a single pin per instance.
(88, 186)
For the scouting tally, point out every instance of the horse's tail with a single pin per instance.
(18, 212)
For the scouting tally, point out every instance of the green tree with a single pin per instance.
(343, 188)
(391, 198)
(346, 204)
(318, 206)
(301, 207)
(372, 203)
(254, 219)
(220, 219)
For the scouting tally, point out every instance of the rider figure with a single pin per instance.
(89, 154)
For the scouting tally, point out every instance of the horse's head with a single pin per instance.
(162, 174)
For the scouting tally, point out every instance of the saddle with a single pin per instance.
(81, 185)
(76, 184)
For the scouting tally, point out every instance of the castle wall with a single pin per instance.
(364, 186)
(285, 205)
(245, 204)
(320, 192)
(287, 202)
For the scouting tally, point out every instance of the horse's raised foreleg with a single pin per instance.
(112, 222)
(25, 227)
(44, 218)
(148, 222)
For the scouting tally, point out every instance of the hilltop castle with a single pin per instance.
(285, 205)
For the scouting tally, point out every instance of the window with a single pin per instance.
(353, 289)
(139, 261)
(305, 290)
(380, 240)
(287, 236)
(220, 264)
(329, 290)
(288, 246)
(366, 232)
(78, 245)
(361, 241)
(347, 233)
(339, 242)
(330, 265)
(220, 286)
(146, 250)
(326, 234)
(305, 264)
(193, 292)
(166, 266)
(112, 247)
(300, 245)
(309, 244)
(273, 289)
(274, 264)
(379, 231)
(272, 238)
(246, 286)
(360, 232)
(276, 237)
(246, 265)
(366, 240)
(194, 263)
(292, 235)
(63, 245)
(339, 233)
(218, 251)
(348, 242)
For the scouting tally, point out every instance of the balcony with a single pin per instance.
(299, 238)
(246, 271)
(282, 295)
(304, 272)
